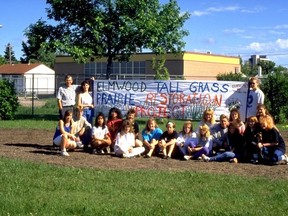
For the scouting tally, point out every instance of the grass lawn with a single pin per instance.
(40, 189)
(29, 188)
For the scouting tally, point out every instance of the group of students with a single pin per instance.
(257, 141)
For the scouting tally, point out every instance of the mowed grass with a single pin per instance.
(39, 189)
(28, 188)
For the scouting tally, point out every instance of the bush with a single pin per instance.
(275, 88)
(231, 77)
(8, 100)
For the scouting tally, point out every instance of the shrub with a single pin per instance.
(231, 77)
(275, 87)
(8, 100)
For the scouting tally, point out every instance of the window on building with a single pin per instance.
(98, 69)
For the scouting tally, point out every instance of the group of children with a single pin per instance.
(257, 141)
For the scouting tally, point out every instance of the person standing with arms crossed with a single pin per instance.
(66, 96)
(255, 97)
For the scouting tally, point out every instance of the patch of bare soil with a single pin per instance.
(36, 146)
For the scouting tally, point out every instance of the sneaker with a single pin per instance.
(108, 150)
(254, 161)
(234, 160)
(79, 144)
(64, 153)
(94, 151)
(205, 158)
(165, 157)
(187, 157)
(99, 151)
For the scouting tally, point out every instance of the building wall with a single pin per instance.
(191, 65)
(207, 70)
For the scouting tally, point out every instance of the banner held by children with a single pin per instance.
(180, 99)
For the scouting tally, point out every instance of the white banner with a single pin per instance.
(180, 99)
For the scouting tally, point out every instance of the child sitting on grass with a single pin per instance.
(168, 140)
(100, 135)
(125, 142)
(187, 137)
(64, 134)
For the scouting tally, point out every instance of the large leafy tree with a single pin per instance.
(114, 29)
(34, 48)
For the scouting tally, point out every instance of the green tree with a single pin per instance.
(161, 72)
(8, 100)
(9, 54)
(34, 48)
(247, 69)
(280, 69)
(267, 66)
(2, 60)
(275, 87)
(114, 29)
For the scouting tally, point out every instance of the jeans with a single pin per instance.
(271, 155)
(199, 153)
(225, 156)
(86, 137)
(87, 113)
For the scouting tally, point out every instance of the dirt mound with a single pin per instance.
(36, 146)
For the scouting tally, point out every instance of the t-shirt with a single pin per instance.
(124, 142)
(168, 137)
(155, 134)
(255, 97)
(100, 132)
(80, 123)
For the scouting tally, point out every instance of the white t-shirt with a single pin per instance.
(124, 142)
(99, 132)
(255, 97)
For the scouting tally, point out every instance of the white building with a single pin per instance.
(30, 78)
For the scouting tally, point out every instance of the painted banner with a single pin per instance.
(178, 99)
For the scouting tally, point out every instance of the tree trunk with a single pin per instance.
(109, 67)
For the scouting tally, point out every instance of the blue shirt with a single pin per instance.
(155, 134)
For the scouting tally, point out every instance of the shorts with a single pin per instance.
(57, 140)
